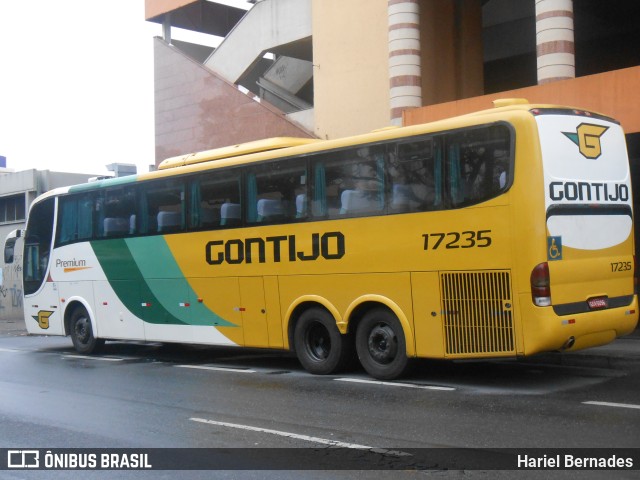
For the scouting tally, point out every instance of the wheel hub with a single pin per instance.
(382, 343)
(319, 342)
(82, 330)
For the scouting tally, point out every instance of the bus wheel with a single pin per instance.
(82, 334)
(320, 346)
(381, 345)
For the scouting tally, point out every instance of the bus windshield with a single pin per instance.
(37, 246)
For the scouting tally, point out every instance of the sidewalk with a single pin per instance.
(621, 353)
(13, 327)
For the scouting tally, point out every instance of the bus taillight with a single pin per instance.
(541, 285)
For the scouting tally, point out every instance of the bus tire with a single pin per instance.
(381, 345)
(319, 345)
(81, 332)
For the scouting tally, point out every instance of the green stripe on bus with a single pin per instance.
(147, 280)
(108, 182)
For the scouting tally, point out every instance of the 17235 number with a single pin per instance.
(450, 240)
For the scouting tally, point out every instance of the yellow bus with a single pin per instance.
(502, 233)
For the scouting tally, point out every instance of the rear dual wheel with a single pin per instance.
(381, 345)
(320, 347)
(379, 342)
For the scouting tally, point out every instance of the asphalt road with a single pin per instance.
(155, 396)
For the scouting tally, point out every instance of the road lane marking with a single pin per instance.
(88, 357)
(217, 369)
(297, 436)
(10, 350)
(611, 404)
(394, 384)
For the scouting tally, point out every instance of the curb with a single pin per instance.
(623, 353)
(586, 361)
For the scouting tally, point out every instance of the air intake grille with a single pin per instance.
(477, 313)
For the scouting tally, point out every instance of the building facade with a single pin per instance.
(17, 191)
(332, 68)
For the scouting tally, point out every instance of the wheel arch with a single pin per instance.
(360, 306)
(299, 306)
(72, 304)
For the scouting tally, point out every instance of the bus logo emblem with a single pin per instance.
(43, 318)
(587, 138)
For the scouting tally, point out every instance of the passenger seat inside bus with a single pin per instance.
(356, 202)
(301, 205)
(169, 221)
(408, 198)
(209, 217)
(269, 210)
(230, 214)
(115, 226)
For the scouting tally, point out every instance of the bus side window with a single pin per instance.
(75, 218)
(162, 207)
(416, 177)
(350, 183)
(215, 201)
(277, 192)
(116, 213)
(478, 164)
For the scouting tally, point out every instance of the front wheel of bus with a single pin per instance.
(82, 334)
(381, 346)
(320, 346)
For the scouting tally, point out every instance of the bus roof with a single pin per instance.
(260, 149)
(278, 143)
(510, 104)
(235, 151)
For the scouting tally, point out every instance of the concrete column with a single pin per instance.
(405, 76)
(166, 28)
(555, 43)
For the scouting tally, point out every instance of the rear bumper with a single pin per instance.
(544, 330)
